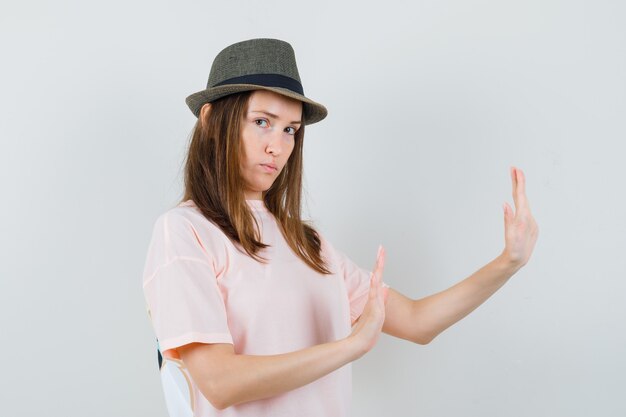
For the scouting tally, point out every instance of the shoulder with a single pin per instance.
(186, 218)
(183, 233)
(184, 225)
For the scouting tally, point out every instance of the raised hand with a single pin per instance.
(520, 228)
(369, 325)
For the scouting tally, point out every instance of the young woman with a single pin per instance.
(258, 314)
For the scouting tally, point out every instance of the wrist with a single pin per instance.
(354, 347)
(507, 263)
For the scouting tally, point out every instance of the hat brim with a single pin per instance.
(312, 111)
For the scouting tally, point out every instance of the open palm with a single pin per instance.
(520, 228)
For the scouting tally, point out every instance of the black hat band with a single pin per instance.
(266, 80)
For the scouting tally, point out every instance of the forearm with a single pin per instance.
(435, 313)
(250, 377)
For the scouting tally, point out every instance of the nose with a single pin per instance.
(274, 146)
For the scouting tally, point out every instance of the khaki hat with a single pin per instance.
(256, 64)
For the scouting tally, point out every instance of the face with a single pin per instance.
(267, 138)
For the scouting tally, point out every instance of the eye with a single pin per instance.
(292, 132)
(261, 121)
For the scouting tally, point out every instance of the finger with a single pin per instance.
(373, 295)
(382, 291)
(379, 294)
(521, 190)
(380, 260)
(514, 183)
(520, 182)
(379, 280)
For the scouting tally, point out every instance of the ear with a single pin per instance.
(204, 111)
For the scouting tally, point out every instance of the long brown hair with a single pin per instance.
(214, 182)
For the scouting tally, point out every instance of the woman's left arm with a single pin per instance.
(422, 320)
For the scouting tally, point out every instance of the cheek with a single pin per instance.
(247, 150)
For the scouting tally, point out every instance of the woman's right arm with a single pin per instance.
(226, 378)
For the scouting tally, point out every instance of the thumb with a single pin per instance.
(507, 213)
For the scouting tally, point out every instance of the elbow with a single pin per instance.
(210, 369)
(422, 341)
(218, 403)
(220, 406)
(424, 338)
(216, 395)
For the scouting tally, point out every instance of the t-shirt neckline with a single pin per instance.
(258, 205)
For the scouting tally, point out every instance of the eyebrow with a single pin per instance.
(297, 122)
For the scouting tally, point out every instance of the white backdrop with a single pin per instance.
(430, 103)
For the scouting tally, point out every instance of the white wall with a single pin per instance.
(430, 103)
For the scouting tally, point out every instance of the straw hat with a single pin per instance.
(256, 64)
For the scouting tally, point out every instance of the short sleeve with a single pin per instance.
(357, 279)
(180, 286)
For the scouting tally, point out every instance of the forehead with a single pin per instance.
(282, 106)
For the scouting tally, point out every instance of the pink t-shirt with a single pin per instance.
(200, 288)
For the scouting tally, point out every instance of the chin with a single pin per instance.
(261, 189)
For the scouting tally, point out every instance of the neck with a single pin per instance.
(253, 195)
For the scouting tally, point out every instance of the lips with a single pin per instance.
(272, 166)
